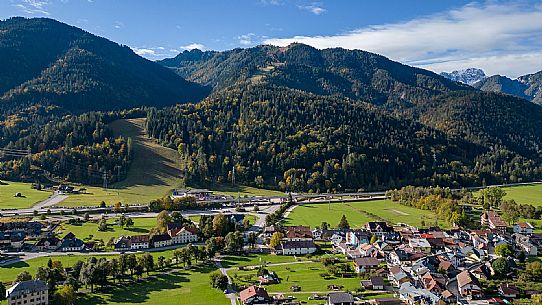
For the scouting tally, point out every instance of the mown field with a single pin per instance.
(29, 196)
(8, 273)
(89, 230)
(359, 213)
(183, 287)
(525, 194)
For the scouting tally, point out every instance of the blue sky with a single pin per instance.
(499, 36)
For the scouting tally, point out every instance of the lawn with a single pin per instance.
(142, 225)
(358, 213)
(29, 196)
(525, 194)
(258, 259)
(184, 287)
(305, 275)
(240, 190)
(8, 273)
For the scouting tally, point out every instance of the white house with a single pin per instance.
(468, 285)
(297, 247)
(184, 235)
(523, 228)
(34, 292)
(139, 242)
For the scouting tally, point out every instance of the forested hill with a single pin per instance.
(293, 140)
(45, 61)
(352, 73)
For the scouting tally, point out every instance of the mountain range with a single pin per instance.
(44, 60)
(292, 117)
(527, 86)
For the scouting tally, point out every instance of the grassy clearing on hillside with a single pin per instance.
(184, 287)
(359, 213)
(154, 172)
(142, 225)
(30, 196)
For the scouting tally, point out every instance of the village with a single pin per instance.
(403, 263)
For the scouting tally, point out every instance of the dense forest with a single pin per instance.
(78, 148)
(292, 140)
(46, 61)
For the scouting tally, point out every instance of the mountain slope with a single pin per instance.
(47, 61)
(528, 86)
(352, 73)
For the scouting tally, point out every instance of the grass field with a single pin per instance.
(240, 190)
(184, 287)
(305, 275)
(142, 225)
(8, 273)
(525, 194)
(30, 196)
(358, 213)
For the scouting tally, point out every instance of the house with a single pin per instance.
(70, 243)
(364, 264)
(357, 237)
(269, 230)
(16, 241)
(296, 233)
(509, 291)
(47, 244)
(378, 228)
(374, 283)
(184, 235)
(139, 242)
(420, 245)
(523, 228)
(398, 276)
(200, 194)
(468, 285)
(122, 244)
(297, 247)
(493, 221)
(34, 292)
(434, 282)
(254, 295)
(65, 189)
(340, 298)
(368, 250)
(161, 240)
(417, 296)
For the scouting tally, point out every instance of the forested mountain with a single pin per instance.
(527, 86)
(45, 61)
(351, 73)
(298, 118)
(293, 140)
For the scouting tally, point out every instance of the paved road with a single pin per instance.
(231, 292)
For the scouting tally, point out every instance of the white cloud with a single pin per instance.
(33, 7)
(193, 46)
(315, 8)
(490, 35)
(246, 39)
(118, 25)
(144, 51)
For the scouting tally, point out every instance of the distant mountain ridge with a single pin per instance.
(46, 61)
(352, 73)
(527, 86)
(467, 76)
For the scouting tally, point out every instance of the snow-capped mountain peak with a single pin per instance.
(467, 76)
